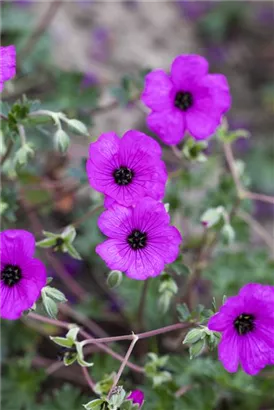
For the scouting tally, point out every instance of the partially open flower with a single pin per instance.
(22, 276)
(7, 64)
(137, 397)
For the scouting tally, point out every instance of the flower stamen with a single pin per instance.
(123, 176)
(137, 240)
(183, 100)
(244, 323)
(11, 275)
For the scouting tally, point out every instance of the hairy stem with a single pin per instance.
(88, 378)
(123, 364)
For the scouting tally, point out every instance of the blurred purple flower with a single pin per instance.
(194, 9)
(89, 80)
(72, 266)
(137, 397)
(263, 210)
(100, 43)
(131, 4)
(216, 54)
(265, 13)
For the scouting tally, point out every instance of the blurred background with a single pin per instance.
(88, 59)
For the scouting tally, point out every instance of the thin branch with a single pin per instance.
(40, 29)
(258, 197)
(88, 378)
(123, 364)
(183, 390)
(144, 335)
(86, 335)
(79, 317)
(7, 153)
(242, 193)
(264, 235)
(231, 163)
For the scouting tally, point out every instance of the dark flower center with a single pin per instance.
(11, 274)
(58, 244)
(244, 323)
(183, 100)
(123, 175)
(67, 352)
(137, 240)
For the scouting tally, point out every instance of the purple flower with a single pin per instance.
(7, 64)
(140, 240)
(22, 276)
(195, 9)
(89, 80)
(126, 169)
(246, 322)
(189, 99)
(137, 397)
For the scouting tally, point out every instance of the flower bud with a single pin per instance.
(137, 397)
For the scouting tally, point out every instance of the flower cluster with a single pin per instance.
(22, 276)
(246, 322)
(7, 64)
(131, 174)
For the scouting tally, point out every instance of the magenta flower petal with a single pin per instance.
(168, 125)
(254, 355)
(16, 243)
(114, 222)
(200, 126)
(195, 102)
(126, 169)
(188, 69)
(246, 322)
(7, 64)
(140, 240)
(115, 253)
(229, 352)
(22, 276)
(137, 397)
(158, 91)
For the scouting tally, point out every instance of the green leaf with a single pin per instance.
(69, 234)
(70, 359)
(46, 243)
(72, 333)
(49, 305)
(72, 251)
(94, 404)
(62, 341)
(55, 294)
